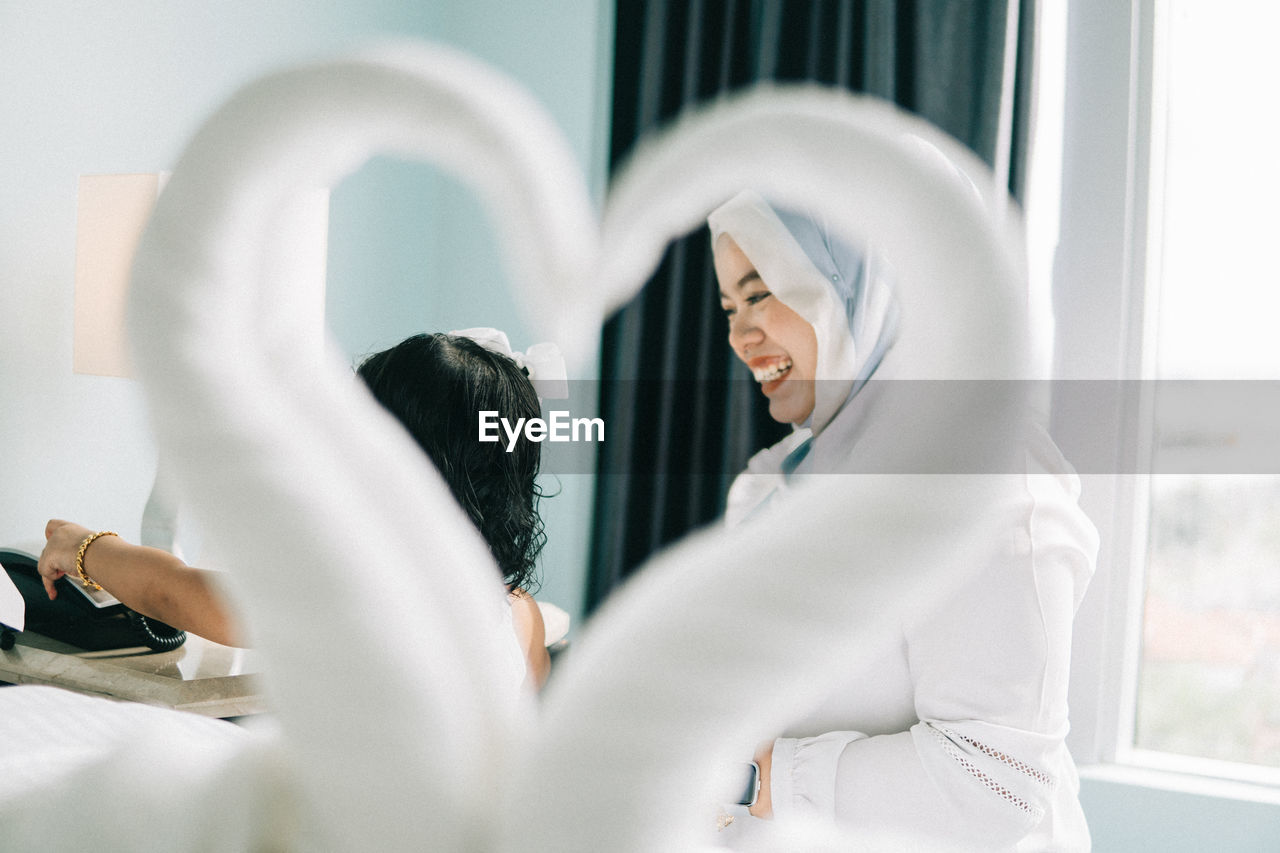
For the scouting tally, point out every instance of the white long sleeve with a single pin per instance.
(984, 759)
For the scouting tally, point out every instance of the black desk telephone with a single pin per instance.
(75, 616)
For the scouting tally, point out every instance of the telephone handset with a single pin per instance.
(90, 619)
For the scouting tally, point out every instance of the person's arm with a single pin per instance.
(987, 759)
(153, 582)
(532, 634)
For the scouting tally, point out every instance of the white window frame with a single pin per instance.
(1110, 204)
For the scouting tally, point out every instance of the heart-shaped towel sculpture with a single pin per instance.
(372, 600)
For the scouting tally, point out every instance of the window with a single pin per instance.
(1160, 272)
(1209, 674)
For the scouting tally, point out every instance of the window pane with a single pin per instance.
(1211, 641)
(1210, 676)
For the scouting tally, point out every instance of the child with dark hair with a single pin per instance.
(435, 385)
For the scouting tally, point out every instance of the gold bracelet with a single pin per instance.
(85, 580)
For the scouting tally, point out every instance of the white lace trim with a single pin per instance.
(948, 738)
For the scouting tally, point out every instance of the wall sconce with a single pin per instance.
(111, 213)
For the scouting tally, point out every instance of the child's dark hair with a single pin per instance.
(436, 385)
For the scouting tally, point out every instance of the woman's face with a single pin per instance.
(775, 342)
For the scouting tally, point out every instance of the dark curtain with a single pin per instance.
(683, 416)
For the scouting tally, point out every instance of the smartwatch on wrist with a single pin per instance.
(751, 792)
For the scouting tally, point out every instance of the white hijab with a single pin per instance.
(836, 288)
(832, 285)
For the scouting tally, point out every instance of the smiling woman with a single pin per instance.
(957, 731)
(807, 314)
(774, 341)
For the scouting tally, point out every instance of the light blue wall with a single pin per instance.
(119, 87)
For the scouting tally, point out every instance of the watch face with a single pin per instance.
(752, 789)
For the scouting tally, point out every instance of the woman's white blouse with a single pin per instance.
(960, 731)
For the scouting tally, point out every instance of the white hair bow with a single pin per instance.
(544, 363)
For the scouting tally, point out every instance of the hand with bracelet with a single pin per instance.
(153, 582)
(62, 553)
